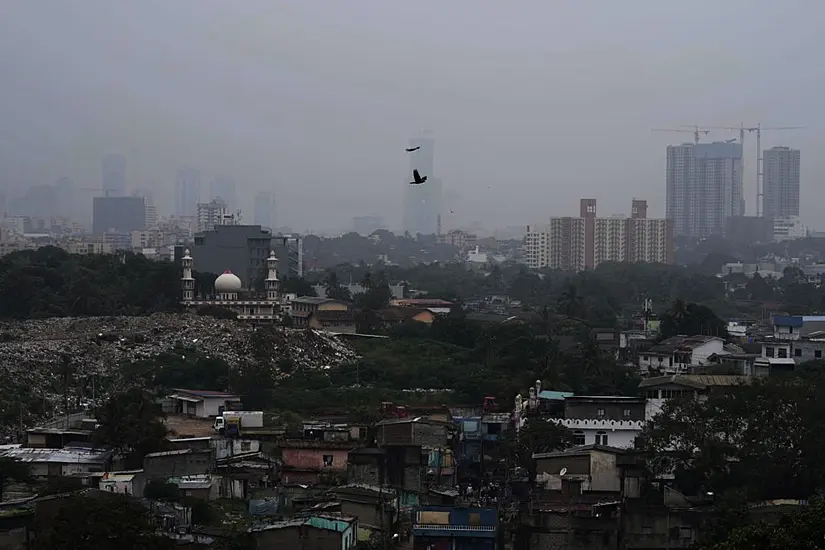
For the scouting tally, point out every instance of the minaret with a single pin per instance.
(187, 282)
(271, 283)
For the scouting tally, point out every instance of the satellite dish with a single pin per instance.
(563, 471)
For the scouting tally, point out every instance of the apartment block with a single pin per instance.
(583, 242)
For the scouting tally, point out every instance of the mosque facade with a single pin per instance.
(229, 293)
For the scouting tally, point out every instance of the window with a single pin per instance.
(782, 353)
(768, 351)
(797, 352)
(601, 438)
(327, 460)
(599, 413)
(578, 437)
(818, 353)
(246, 445)
(626, 413)
(652, 394)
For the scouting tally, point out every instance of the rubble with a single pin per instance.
(33, 379)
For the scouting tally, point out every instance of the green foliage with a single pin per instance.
(131, 423)
(11, 470)
(119, 523)
(690, 319)
(297, 285)
(762, 439)
(49, 282)
(334, 289)
(536, 436)
(803, 529)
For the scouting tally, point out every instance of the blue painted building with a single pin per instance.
(455, 528)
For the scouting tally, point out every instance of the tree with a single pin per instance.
(104, 522)
(760, 438)
(131, 423)
(334, 289)
(691, 319)
(536, 436)
(803, 529)
(570, 303)
(11, 470)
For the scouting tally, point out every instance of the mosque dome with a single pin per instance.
(227, 283)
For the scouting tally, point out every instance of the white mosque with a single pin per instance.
(230, 294)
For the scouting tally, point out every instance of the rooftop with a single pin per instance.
(579, 451)
(681, 342)
(315, 300)
(203, 394)
(66, 455)
(555, 395)
(696, 381)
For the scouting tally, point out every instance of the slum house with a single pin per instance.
(60, 462)
(313, 462)
(56, 438)
(317, 532)
(203, 403)
(182, 462)
(576, 499)
(245, 474)
(222, 447)
(125, 482)
(409, 444)
(375, 507)
(478, 433)
(453, 528)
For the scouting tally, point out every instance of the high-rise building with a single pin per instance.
(780, 181)
(264, 210)
(704, 187)
(422, 203)
(212, 214)
(187, 192)
(118, 215)
(367, 225)
(223, 188)
(584, 242)
(113, 180)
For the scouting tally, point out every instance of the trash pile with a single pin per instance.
(35, 355)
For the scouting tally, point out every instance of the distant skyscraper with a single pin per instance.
(113, 182)
(65, 200)
(704, 187)
(264, 211)
(422, 203)
(187, 192)
(223, 188)
(118, 214)
(780, 169)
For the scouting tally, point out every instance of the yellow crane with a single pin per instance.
(696, 131)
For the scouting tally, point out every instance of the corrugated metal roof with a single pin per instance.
(698, 381)
(555, 395)
(66, 455)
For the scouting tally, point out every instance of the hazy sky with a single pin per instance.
(532, 103)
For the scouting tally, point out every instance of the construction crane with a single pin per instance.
(758, 129)
(696, 131)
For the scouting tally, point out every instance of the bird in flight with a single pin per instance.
(417, 178)
(411, 149)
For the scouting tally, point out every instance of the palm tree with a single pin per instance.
(570, 303)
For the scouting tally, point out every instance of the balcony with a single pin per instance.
(434, 530)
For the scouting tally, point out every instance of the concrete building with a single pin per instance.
(230, 294)
(422, 203)
(212, 214)
(575, 244)
(118, 215)
(780, 182)
(264, 210)
(113, 176)
(223, 188)
(704, 187)
(187, 192)
(202, 403)
(788, 228)
(676, 355)
(603, 419)
(241, 249)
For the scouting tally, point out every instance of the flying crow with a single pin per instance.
(417, 179)
(411, 149)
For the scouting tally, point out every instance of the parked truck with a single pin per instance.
(234, 423)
